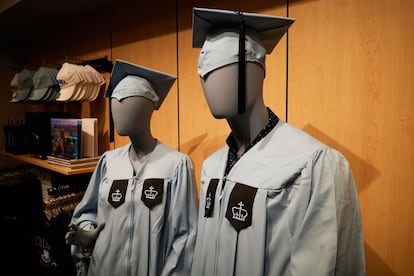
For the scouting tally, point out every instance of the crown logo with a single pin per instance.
(208, 201)
(239, 213)
(116, 196)
(151, 193)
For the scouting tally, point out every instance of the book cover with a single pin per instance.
(66, 137)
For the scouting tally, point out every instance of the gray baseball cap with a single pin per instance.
(24, 84)
(44, 79)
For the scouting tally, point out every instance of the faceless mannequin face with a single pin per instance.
(132, 115)
(221, 89)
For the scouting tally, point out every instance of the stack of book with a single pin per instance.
(73, 163)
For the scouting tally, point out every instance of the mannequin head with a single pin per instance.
(233, 46)
(132, 115)
(135, 92)
(220, 89)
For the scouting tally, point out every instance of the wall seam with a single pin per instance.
(287, 67)
(178, 79)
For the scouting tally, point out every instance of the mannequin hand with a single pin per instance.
(85, 239)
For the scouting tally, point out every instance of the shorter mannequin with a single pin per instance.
(126, 114)
(143, 192)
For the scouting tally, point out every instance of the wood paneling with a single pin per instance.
(350, 85)
(146, 35)
(200, 133)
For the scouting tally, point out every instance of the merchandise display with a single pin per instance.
(34, 229)
(70, 83)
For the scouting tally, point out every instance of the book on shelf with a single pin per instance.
(62, 161)
(66, 137)
(89, 141)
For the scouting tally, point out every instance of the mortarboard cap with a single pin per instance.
(269, 28)
(159, 82)
(215, 31)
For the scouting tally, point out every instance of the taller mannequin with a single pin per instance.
(221, 92)
(143, 192)
(273, 200)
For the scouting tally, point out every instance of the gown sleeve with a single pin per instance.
(328, 241)
(181, 226)
(86, 212)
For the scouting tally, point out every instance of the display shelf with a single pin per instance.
(44, 164)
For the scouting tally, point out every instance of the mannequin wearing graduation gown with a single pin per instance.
(144, 193)
(273, 200)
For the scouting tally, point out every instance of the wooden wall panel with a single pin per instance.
(350, 85)
(200, 133)
(89, 39)
(146, 35)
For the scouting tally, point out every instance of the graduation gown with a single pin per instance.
(287, 207)
(150, 218)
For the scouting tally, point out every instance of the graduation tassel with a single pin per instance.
(242, 68)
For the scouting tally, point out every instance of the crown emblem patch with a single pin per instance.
(239, 213)
(211, 194)
(240, 206)
(208, 201)
(117, 192)
(116, 196)
(152, 191)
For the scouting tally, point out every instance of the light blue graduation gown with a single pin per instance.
(150, 218)
(289, 206)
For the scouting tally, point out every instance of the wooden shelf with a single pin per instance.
(44, 164)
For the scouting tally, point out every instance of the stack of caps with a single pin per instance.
(45, 85)
(70, 83)
(79, 83)
(33, 86)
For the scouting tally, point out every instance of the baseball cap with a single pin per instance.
(128, 79)
(24, 84)
(44, 79)
(98, 81)
(70, 82)
(14, 87)
(223, 34)
(86, 86)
